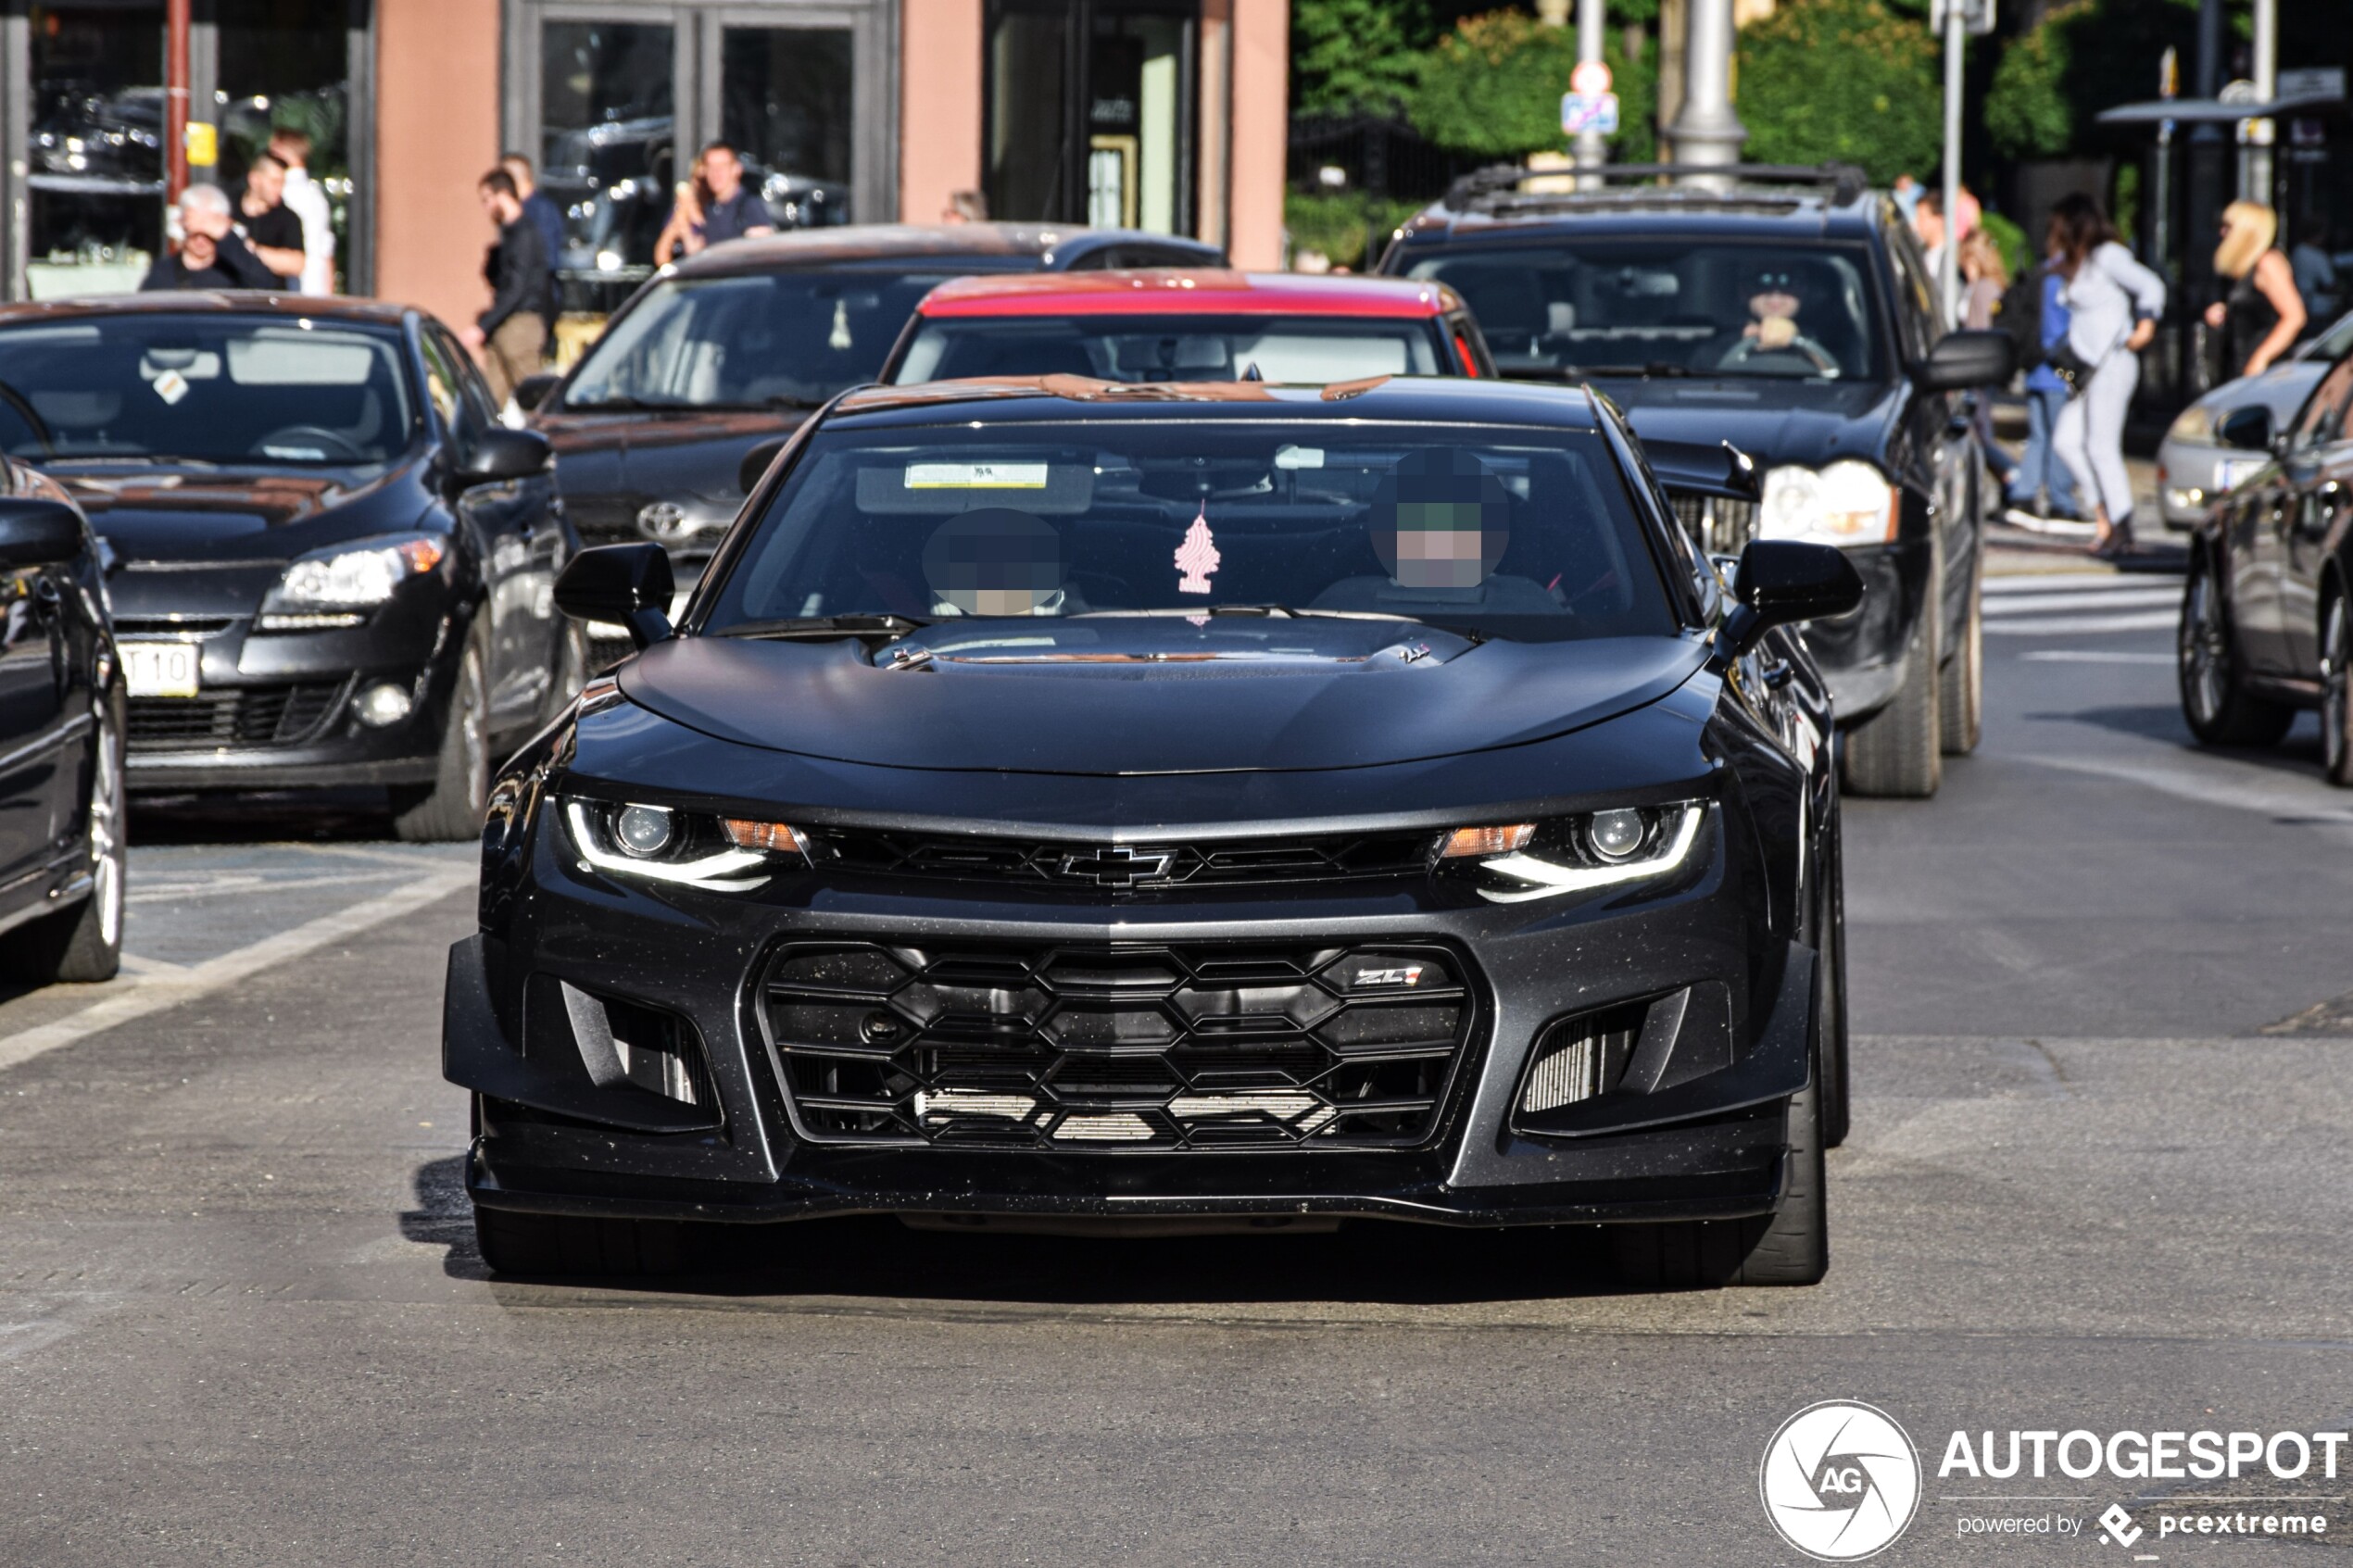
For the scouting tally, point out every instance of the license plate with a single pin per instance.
(161, 668)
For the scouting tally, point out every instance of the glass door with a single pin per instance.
(780, 88)
(95, 176)
(610, 86)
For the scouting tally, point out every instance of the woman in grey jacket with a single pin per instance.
(2113, 303)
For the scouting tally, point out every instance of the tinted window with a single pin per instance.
(1512, 533)
(1627, 307)
(1164, 348)
(218, 388)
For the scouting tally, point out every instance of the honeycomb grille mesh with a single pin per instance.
(1119, 1047)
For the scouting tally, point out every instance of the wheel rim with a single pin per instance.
(472, 744)
(2206, 652)
(106, 835)
(2334, 681)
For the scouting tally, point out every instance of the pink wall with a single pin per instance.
(1261, 130)
(939, 129)
(436, 132)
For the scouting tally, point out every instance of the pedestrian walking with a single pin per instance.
(306, 199)
(2261, 314)
(274, 233)
(2315, 269)
(211, 255)
(2113, 303)
(2042, 487)
(513, 335)
(545, 217)
(1986, 280)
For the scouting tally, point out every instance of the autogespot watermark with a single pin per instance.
(1841, 1481)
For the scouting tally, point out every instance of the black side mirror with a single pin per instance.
(499, 453)
(1691, 469)
(1781, 580)
(1961, 360)
(2245, 430)
(630, 584)
(755, 465)
(532, 391)
(37, 532)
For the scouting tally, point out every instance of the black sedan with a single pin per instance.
(2266, 626)
(332, 565)
(61, 797)
(1177, 806)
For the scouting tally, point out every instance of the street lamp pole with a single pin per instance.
(1706, 131)
(1949, 274)
(1592, 151)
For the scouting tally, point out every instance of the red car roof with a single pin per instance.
(1202, 291)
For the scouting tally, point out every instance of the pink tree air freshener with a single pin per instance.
(1197, 557)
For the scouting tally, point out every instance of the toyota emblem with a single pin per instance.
(663, 521)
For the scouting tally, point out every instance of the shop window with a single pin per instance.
(785, 95)
(607, 152)
(95, 177)
(1126, 160)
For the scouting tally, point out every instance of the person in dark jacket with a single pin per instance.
(511, 335)
(545, 215)
(211, 255)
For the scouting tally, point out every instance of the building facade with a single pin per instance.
(1167, 115)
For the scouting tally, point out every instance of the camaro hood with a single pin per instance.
(186, 515)
(1108, 696)
(1774, 422)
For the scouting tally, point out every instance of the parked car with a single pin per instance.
(1159, 325)
(1207, 804)
(61, 719)
(730, 349)
(332, 564)
(1791, 314)
(2266, 628)
(2193, 469)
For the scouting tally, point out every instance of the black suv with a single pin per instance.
(1790, 312)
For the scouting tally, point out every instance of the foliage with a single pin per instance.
(2084, 56)
(1492, 87)
(2018, 256)
(1846, 79)
(1340, 224)
(1356, 56)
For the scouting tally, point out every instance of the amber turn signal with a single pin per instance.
(1471, 842)
(745, 833)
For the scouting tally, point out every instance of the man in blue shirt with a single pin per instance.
(732, 212)
(2041, 484)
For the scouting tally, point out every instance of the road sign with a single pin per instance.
(1595, 112)
(1977, 16)
(1590, 79)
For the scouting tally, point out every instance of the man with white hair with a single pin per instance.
(211, 255)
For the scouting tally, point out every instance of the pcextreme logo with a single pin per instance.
(1840, 1481)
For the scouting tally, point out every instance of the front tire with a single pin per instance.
(451, 809)
(83, 945)
(515, 1243)
(1961, 695)
(2220, 710)
(1897, 752)
(2336, 687)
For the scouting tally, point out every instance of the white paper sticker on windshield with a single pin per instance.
(171, 386)
(976, 476)
(1299, 457)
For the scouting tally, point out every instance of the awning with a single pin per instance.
(2209, 111)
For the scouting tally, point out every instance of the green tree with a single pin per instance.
(1853, 81)
(1492, 88)
(1356, 56)
(2082, 58)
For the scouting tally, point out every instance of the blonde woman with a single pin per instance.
(1988, 278)
(685, 217)
(2262, 314)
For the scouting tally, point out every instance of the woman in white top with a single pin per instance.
(2114, 303)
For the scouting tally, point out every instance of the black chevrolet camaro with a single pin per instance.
(1173, 806)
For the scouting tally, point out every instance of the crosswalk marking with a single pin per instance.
(2078, 603)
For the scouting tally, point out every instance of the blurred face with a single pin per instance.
(1775, 295)
(517, 173)
(723, 172)
(199, 228)
(500, 208)
(267, 182)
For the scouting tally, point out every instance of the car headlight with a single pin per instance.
(1848, 503)
(2194, 427)
(1597, 849)
(337, 586)
(688, 848)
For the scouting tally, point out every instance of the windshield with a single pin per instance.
(1310, 349)
(214, 388)
(783, 339)
(1648, 308)
(1506, 532)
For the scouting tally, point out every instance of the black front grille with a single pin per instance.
(1126, 868)
(175, 626)
(276, 715)
(1720, 527)
(1119, 1047)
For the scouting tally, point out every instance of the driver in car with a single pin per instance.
(1440, 521)
(1775, 297)
(995, 560)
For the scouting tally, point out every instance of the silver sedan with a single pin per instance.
(2193, 470)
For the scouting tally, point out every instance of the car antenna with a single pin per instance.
(1250, 371)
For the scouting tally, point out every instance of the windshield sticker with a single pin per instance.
(976, 476)
(1299, 457)
(171, 386)
(1197, 557)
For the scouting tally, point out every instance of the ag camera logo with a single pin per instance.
(1840, 1481)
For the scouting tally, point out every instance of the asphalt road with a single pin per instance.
(2098, 1181)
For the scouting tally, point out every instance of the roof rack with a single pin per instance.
(1501, 184)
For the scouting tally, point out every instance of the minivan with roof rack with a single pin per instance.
(1790, 312)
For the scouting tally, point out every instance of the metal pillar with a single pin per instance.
(176, 24)
(1707, 132)
(2261, 133)
(1949, 270)
(1591, 150)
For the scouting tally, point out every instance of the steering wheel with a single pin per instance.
(1801, 348)
(327, 440)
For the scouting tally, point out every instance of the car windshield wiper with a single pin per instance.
(1289, 612)
(827, 626)
(1659, 369)
(626, 406)
(132, 459)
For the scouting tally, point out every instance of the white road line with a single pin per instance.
(2065, 583)
(2038, 603)
(2091, 656)
(126, 1000)
(2068, 625)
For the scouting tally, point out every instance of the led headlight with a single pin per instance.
(1848, 503)
(1582, 854)
(337, 586)
(688, 848)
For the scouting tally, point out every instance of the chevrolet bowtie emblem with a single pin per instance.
(1117, 866)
